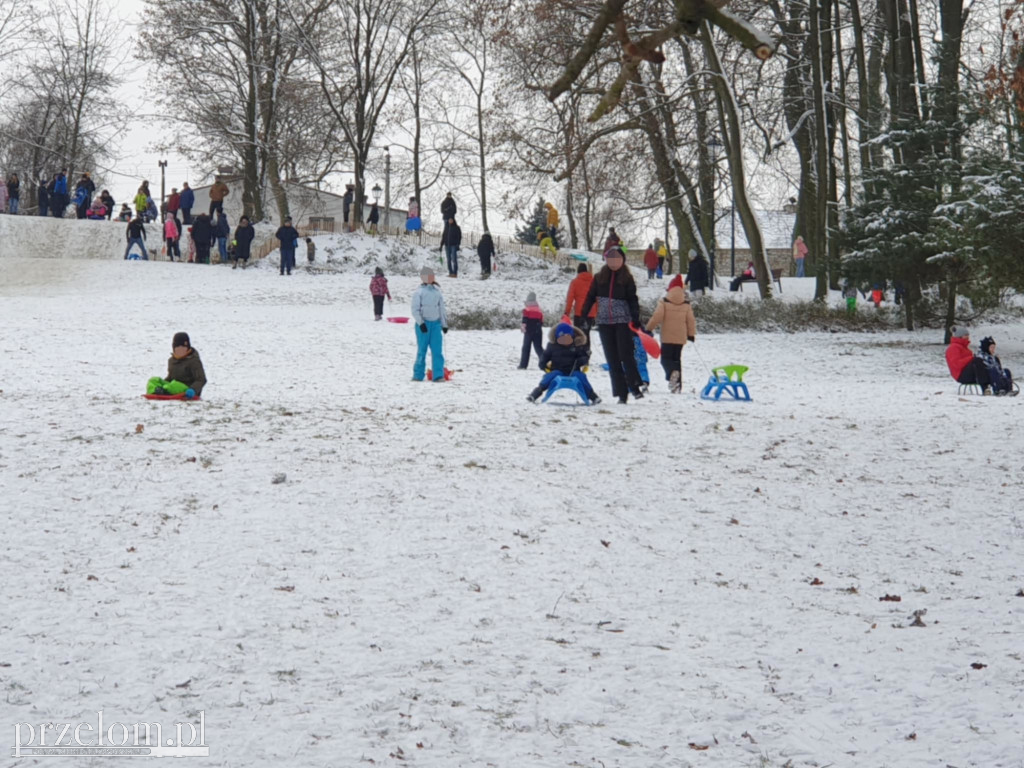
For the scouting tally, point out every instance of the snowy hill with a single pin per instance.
(451, 576)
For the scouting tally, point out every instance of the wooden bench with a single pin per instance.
(776, 278)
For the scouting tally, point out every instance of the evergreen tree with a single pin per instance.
(539, 218)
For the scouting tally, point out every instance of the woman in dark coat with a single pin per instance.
(614, 291)
(244, 233)
(697, 274)
(485, 250)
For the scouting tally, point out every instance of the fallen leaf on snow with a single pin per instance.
(698, 747)
(288, 588)
(606, 543)
(890, 599)
(138, 428)
(816, 582)
(978, 665)
(912, 736)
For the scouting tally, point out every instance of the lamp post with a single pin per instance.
(715, 146)
(387, 187)
(163, 168)
(376, 192)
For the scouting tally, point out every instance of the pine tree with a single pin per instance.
(539, 218)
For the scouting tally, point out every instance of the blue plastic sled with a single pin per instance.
(413, 224)
(728, 379)
(566, 382)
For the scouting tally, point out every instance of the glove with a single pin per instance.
(691, 339)
(547, 368)
(585, 369)
(423, 327)
(159, 391)
(190, 393)
(444, 330)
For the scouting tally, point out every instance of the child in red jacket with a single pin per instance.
(379, 289)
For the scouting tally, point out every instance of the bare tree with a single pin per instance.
(239, 70)
(358, 53)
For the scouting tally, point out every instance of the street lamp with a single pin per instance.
(376, 192)
(163, 168)
(715, 146)
(387, 187)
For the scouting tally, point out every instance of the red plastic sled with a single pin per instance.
(650, 344)
(447, 375)
(170, 397)
(398, 319)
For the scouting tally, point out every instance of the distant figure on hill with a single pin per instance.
(448, 207)
(187, 199)
(485, 251)
(135, 233)
(289, 237)
(218, 192)
(244, 234)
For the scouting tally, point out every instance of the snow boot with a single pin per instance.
(675, 383)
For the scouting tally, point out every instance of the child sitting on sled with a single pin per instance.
(565, 355)
(1001, 378)
(185, 374)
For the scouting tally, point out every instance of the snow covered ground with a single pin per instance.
(451, 576)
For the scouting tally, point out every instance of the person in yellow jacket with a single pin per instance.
(546, 243)
(552, 223)
(141, 202)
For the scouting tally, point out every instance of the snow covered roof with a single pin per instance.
(776, 229)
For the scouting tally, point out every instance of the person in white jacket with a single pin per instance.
(431, 324)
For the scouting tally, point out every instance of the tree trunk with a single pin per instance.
(728, 117)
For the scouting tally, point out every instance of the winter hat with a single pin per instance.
(563, 329)
(960, 331)
(531, 298)
(614, 251)
(427, 274)
(675, 282)
(379, 272)
(181, 340)
(986, 344)
(581, 269)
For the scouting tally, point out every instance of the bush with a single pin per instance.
(714, 316)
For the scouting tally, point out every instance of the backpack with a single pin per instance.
(81, 195)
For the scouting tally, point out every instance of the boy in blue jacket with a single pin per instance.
(431, 324)
(565, 355)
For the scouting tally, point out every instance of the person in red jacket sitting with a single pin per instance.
(963, 365)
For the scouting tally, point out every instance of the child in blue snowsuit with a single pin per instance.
(565, 355)
(640, 356)
(431, 324)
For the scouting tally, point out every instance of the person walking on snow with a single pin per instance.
(202, 238)
(614, 292)
(574, 300)
(244, 234)
(451, 239)
(379, 289)
(289, 237)
(800, 251)
(431, 321)
(651, 261)
(675, 316)
(172, 234)
(485, 251)
(697, 274)
(533, 330)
